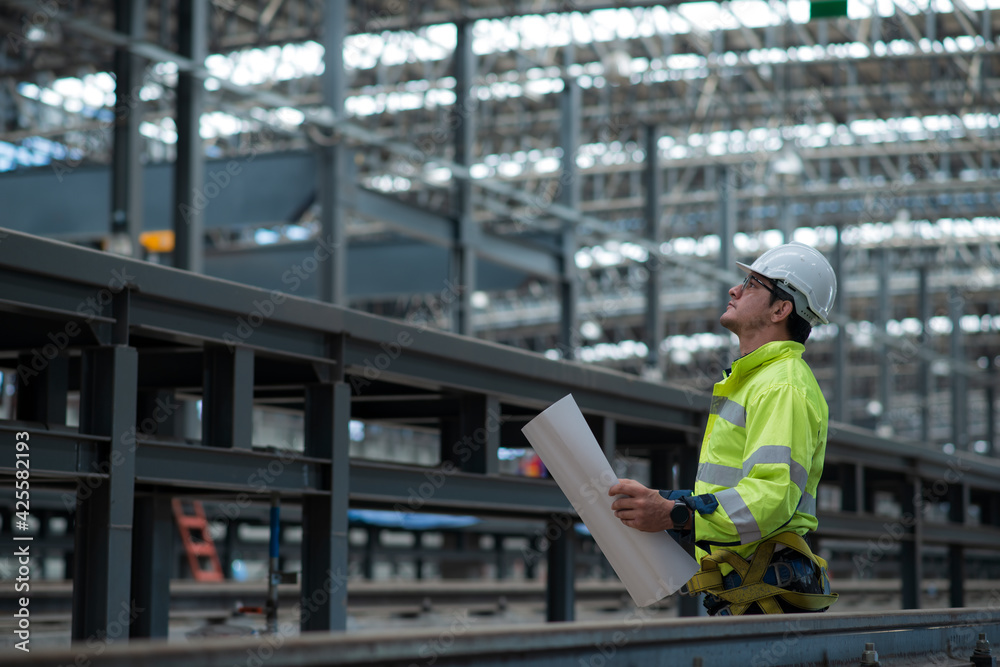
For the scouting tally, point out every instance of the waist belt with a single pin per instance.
(760, 581)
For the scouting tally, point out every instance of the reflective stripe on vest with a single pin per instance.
(730, 410)
(715, 473)
(739, 514)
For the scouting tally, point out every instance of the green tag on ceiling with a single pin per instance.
(822, 9)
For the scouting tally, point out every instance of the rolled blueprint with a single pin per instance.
(651, 565)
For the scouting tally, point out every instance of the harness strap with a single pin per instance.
(753, 590)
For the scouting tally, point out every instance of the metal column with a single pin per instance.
(126, 165)
(606, 432)
(655, 330)
(885, 374)
(332, 160)
(324, 518)
(850, 478)
(926, 381)
(686, 467)
(911, 568)
(471, 439)
(158, 413)
(959, 384)
(958, 503)
(991, 416)
(152, 565)
(189, 169)
(660, 469)
(102, 600)
(560, 595)
(570, 107)
(463, 252)
(499, 556)
(728, 206)
(841, 382)
(227, 401)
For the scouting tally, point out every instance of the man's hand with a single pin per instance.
(641, 508)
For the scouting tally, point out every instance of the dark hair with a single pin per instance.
(798, 328)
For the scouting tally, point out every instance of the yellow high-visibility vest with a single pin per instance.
(762, 454)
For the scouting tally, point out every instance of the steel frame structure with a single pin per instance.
(130, 335)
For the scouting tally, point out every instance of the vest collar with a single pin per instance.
(765, 354)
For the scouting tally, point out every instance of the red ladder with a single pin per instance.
(200, 549)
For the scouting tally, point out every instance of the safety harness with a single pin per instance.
(751, 583)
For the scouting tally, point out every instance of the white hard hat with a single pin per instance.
(802, 272)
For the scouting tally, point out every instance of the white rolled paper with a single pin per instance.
(651, 565)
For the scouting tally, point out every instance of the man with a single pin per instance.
(762, 454)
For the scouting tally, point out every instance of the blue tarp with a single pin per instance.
(410, 520)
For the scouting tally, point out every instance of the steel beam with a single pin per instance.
(404, 488)
(470, 439)
(560, 594)
(324, 518)
(227, 403)
(835, 638)
(958, 505)
(334, 181)
(883, 314)
(925, 372)
(911, 567)
(605, 430)
(247, 200)
(462, 270)
(991, 414)
(841, 375)
(126, 163)
(655, 329)
(959, 385)
(728, 211)
(685, 467)
(103, 607)
(190, 194)
(152, 565)
(570, 103)
(232, 472)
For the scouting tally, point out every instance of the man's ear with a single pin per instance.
(783, 311)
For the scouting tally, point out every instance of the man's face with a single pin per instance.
(749, 306)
